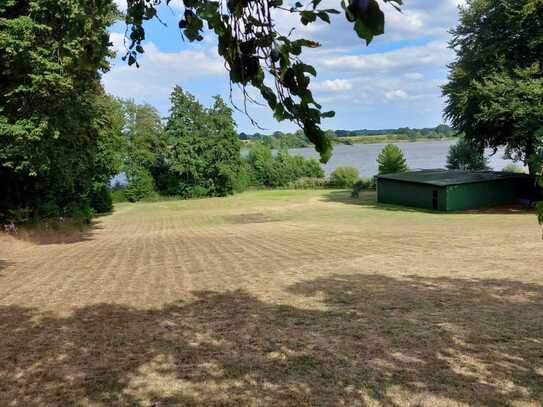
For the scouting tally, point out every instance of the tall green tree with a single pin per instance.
(204, 148)
(495, 89)
(224, 151)
(465, 156)
(391, 160)
(110, 150)
(51, 56)
(144, 134)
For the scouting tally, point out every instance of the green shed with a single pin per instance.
(453, 190)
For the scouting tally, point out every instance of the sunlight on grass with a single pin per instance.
(276, 298)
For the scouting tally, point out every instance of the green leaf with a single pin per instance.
(269, 96)
(309, 69)
(374, 18)
(368, 23)
(307, 17)
(363, 31)
(279, 112)
(327, 115)
(324, 16)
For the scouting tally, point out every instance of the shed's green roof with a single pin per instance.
(445, 178)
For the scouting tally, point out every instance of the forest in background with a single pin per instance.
(297, 139)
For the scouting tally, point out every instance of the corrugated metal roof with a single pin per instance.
(445, 178)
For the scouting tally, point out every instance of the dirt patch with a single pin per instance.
(247, 218)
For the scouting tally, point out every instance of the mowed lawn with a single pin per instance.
(276, 298)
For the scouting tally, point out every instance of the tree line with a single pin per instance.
(197, 153)
(297, 139)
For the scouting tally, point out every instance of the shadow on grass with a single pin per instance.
(4, 264)
(385, 339)
(368, 199)
(58, 233)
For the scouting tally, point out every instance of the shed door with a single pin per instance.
(435, 203)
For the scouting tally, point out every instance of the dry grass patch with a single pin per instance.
(282, 298)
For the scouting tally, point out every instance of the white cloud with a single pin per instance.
(159, 72)
(414, 76)
(335, 85)
(397, 94)
(432, 54)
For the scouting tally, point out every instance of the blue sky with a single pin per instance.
(394, 82)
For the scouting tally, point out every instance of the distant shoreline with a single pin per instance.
(387, 139)
(346, 141)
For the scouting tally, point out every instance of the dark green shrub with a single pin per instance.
(391, 160)
(79, 213)
(140, 185)
(117, 195)
(101, 198)
(48, 210)
(363, 184)
(465, 156)
(343, 177)
(19, 215)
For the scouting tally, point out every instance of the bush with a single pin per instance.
(48, 210)
(19, 215)
(467, 157)
(79, 213)
(279, 171)
(243, 179)
(312, 169)
(101, 198)
(363, 184)
(259, 159)
(513, 168)
(117, 195)
(391, 160)
(308, 183)
(343, 177)
(196, 191)
(140, 185)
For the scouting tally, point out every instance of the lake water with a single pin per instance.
(419, 155)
